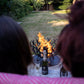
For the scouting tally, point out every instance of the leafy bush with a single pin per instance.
(64, 4)
(15, 8)
(20, 8)
(4, 7)
(27, 8)
(37, 4)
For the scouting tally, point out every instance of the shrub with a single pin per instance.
(15, 8)
(37, 4)
(64, 4)
(27, 8)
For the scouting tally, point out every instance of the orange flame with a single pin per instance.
(44, 43)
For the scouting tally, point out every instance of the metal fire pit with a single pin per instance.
(51, 60)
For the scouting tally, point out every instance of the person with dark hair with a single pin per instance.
(70, 44)
(15, 54)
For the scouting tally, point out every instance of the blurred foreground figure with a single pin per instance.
(15, 54)
(71, 41)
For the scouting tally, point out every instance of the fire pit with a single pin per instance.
(37, 47)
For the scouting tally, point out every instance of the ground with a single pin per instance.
(48, 23)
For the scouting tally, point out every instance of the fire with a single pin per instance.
(44, 43)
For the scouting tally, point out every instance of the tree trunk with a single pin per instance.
(47, 6)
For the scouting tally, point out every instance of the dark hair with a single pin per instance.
(70, 45)
(15, 52)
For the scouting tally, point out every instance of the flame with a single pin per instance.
(44, 43)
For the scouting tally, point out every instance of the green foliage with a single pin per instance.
(37, 4)
(15, 8)
(61, 4)
(65, 4)
(50, 2)
(4, 7)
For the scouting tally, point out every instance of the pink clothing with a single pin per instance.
(19, 79)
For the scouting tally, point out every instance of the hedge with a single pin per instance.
(15, 8)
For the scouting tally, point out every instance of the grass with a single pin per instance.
(60, 11)
(46, 22)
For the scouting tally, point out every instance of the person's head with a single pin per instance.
(15, 54)
(70, 44)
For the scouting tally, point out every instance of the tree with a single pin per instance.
(37, 4)
(15, 8)
(4, 7)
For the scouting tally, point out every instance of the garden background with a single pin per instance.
(45, 16)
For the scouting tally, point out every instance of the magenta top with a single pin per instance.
(20, 79)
